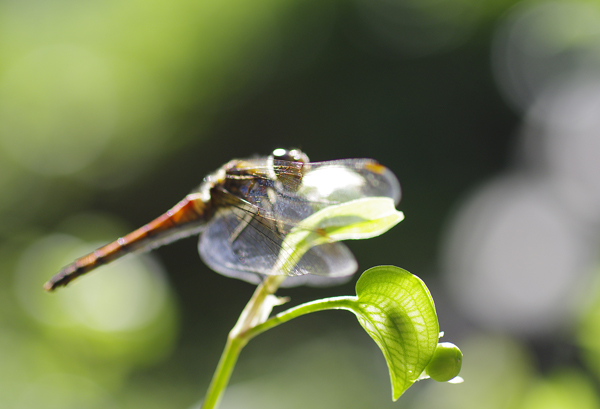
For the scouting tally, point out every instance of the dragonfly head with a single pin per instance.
(292, 155)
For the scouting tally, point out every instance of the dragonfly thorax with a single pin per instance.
(281, 156)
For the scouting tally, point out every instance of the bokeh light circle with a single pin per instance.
(65, 391)
(562, 135)
(124, 296)
(513, 259)
(540, 43)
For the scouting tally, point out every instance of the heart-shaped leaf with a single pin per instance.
(397, 311)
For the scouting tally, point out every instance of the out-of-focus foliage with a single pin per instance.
(497, 371)
(589, 330)
(565, 389)
(76, 348)
(96, 88)
(111, 111)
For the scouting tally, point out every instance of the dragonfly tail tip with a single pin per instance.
(53, 284)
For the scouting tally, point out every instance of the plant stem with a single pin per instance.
(334, 303)
(223, 372)
(237, 339)
(250, 325)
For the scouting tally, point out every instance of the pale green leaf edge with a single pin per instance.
(362, 218)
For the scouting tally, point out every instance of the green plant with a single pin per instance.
(336, 201)
(393, 306)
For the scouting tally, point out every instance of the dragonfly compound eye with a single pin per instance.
(292, 155)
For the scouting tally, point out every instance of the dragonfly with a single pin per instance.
(243, 212)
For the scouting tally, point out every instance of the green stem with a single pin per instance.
(248, 327)
(334, 303)
(223, 372)
(236, 340)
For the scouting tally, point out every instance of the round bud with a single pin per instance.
(446, 362)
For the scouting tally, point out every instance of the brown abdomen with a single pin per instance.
(186, 218)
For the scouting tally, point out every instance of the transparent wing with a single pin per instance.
(348, 179)
(239, 240)
(332, 181)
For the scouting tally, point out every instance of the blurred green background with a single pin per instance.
(488, 112)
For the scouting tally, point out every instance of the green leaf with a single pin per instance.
(397, 311)
(357, 219)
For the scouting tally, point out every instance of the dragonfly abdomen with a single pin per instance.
(186, 218)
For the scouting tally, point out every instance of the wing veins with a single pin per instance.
(272, 243)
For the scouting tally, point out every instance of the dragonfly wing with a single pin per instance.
(242, 244)
(333, 258)
(330, 181)
(348, 179)
(292, 199)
